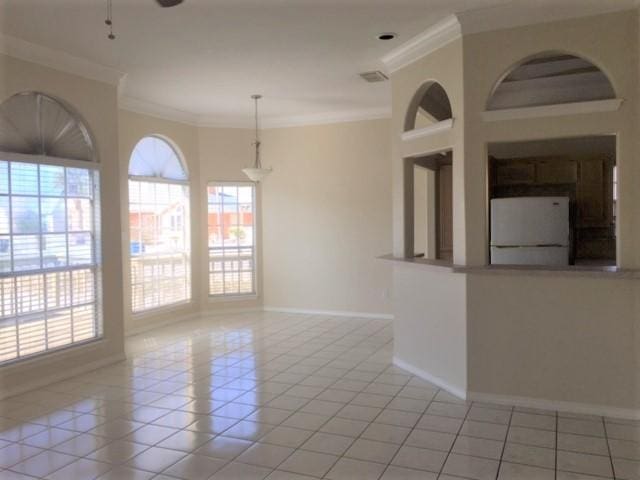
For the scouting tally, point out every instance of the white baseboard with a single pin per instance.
(330, 313)
(63, 375)
(557, 405)
(130, 332)
(151, 325)
(459, 392)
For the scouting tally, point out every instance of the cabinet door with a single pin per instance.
(515, 173)
(594, 196)
(555, 171)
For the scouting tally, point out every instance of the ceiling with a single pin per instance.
(206, 57)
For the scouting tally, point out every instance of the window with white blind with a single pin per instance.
(48, 249)
(50, 288)
(159, 226)
(231, 228)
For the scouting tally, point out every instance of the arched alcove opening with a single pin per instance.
(550, 78)
(429, 105)
(159, 226)
(49, 228)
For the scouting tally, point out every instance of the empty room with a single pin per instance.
(319, 239)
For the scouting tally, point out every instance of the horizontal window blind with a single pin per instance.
(49, 286)
(231, 229)
(159, 244)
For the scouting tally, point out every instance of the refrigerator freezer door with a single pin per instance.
(530, 221)
(552, 256)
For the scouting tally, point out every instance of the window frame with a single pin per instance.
(222, 297)
(168, 307)
(96, 251)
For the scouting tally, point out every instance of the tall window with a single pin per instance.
(231, 221)
(159, 226)
(49, 229)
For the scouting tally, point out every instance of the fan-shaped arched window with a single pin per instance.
(159, 226)
(550, 79)
(49, 235)
(37, 124)
(429, 105)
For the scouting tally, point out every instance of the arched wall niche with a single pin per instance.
(550, 78)
(35, 123)
(429, 105)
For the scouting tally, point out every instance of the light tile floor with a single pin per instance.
(290, 397)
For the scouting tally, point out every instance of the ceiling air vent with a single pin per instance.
(374, 76)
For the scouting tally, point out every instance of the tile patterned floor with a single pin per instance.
(290, 397)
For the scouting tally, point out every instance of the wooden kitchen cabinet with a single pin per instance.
(556, 171)
(516, 172)
(594, 192)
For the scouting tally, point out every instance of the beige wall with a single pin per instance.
(327, 216)
(549, 337)
(529, 338)
(97, 103)
(487, 56)
(133, 127)
(224, 152)
(445, 67)
(211, 154)
(430, 327)
(337, 214)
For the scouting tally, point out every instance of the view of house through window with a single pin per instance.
(159, 227)
(231, 228)
(49, 282)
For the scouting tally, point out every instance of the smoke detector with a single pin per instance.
(374, 76)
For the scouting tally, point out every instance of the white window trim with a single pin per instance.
(169, 307)
(96, 247)
(234, 297)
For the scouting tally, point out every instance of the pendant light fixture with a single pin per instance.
(256, 172)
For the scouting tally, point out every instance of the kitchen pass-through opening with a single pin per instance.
(553, 202)
(431, 179)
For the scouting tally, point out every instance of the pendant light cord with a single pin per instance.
(258, 162)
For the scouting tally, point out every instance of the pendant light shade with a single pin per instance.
(256, 172)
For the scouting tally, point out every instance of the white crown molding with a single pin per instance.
(435, 37)
(576, 108)
(438, 127)
(167, 113)
(58, 60)
(156, 110)
(327, 118)
(499, 17)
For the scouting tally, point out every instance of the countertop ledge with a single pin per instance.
(578, 271)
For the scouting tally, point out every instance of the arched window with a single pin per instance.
(429, 105)
(49, 228)
(159, 226)
(550, 79)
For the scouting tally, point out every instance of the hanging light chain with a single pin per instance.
(258, 162)
(109, 20)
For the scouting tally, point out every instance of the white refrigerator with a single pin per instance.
(530, 231)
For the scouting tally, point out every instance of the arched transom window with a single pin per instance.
(159, 226)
